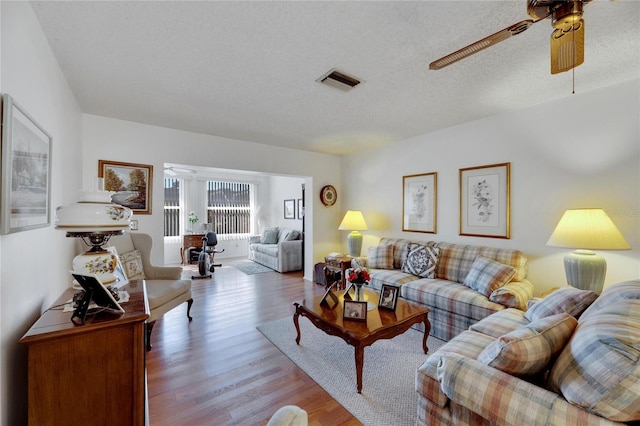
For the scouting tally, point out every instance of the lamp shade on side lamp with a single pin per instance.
(586, 230)
(94, 219)
(354, 221)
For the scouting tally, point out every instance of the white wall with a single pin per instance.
(34, 264)
(284, 188)
(581, 151)
(118, 140)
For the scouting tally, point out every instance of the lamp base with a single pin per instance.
(354, 241)
(585, 270)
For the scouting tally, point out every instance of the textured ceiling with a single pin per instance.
(248, 70)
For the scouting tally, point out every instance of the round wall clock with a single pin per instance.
(328, 195)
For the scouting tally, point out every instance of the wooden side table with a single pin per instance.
(190, 240)
(339, 264)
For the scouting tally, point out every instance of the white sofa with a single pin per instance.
(277, 248)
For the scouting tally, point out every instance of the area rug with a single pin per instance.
(249, 267)
(388, 392)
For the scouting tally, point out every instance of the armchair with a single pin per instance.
(165, 287)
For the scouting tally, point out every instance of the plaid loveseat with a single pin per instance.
(591, 378)
(454, 306)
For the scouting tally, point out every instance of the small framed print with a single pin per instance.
(289, 209)
(484, 201)
(300, 209)
(354, 310)
(388, 297)
(419, 203)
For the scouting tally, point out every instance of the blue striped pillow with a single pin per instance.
(487, 275)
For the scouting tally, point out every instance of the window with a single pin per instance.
(172, 207)
(229, 207)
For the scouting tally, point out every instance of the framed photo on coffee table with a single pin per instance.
(354, 310)
(388, 297)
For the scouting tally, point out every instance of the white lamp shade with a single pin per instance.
(586, 230)
(353, 221)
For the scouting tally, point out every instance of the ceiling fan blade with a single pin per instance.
(567, 47)
(479, 45)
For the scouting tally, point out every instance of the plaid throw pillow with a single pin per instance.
(421, 261)
(487, 275)
(529, 350)
(132, 264)
(380, 257)
(570, 300)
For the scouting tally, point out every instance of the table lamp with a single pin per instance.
(586, 230)
(354, 221)
(94, 219)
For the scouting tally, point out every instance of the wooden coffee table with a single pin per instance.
(380, 324)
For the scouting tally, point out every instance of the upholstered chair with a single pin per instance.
(165, 287)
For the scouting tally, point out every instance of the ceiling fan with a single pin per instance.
(567, 41)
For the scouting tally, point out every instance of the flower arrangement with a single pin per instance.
(359, 276)
(193, 218)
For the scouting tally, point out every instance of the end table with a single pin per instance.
(339, 264)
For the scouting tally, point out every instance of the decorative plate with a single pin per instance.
(328, 195)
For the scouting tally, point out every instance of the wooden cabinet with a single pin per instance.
(92, 373)
(190, 240)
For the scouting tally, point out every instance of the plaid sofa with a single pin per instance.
(594, 379)
(454, 306)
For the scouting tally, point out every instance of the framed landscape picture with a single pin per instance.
(484, 201)
(419, 203)
(26, 171)
(131, 183)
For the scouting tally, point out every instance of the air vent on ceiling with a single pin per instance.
(339, 80)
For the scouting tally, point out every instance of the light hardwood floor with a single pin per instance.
(218, 369)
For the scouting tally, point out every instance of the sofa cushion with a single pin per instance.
(528, 350)
(292, 235)
(599, 369)
(486, 275)
(400, 250)
(270, 250)
(449, 296)
(501, 322)
(570, 300)
(515, 294)
(627, 290)
(421, 261)
(393, 277)
(455, 260)
(269, 236)
(467, 343)
(132, 264)
(380, 257)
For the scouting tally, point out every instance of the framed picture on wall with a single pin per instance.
(300, 209)
(26, 171)
(484, 201)
(289, 209)
(419, 203)
(131, 183)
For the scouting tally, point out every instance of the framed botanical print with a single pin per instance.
(26, 171)
(131, 183)
(419, 203)
(484, 201)
(289, 209)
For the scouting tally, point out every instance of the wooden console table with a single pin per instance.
(90, 373)
(190, 240)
